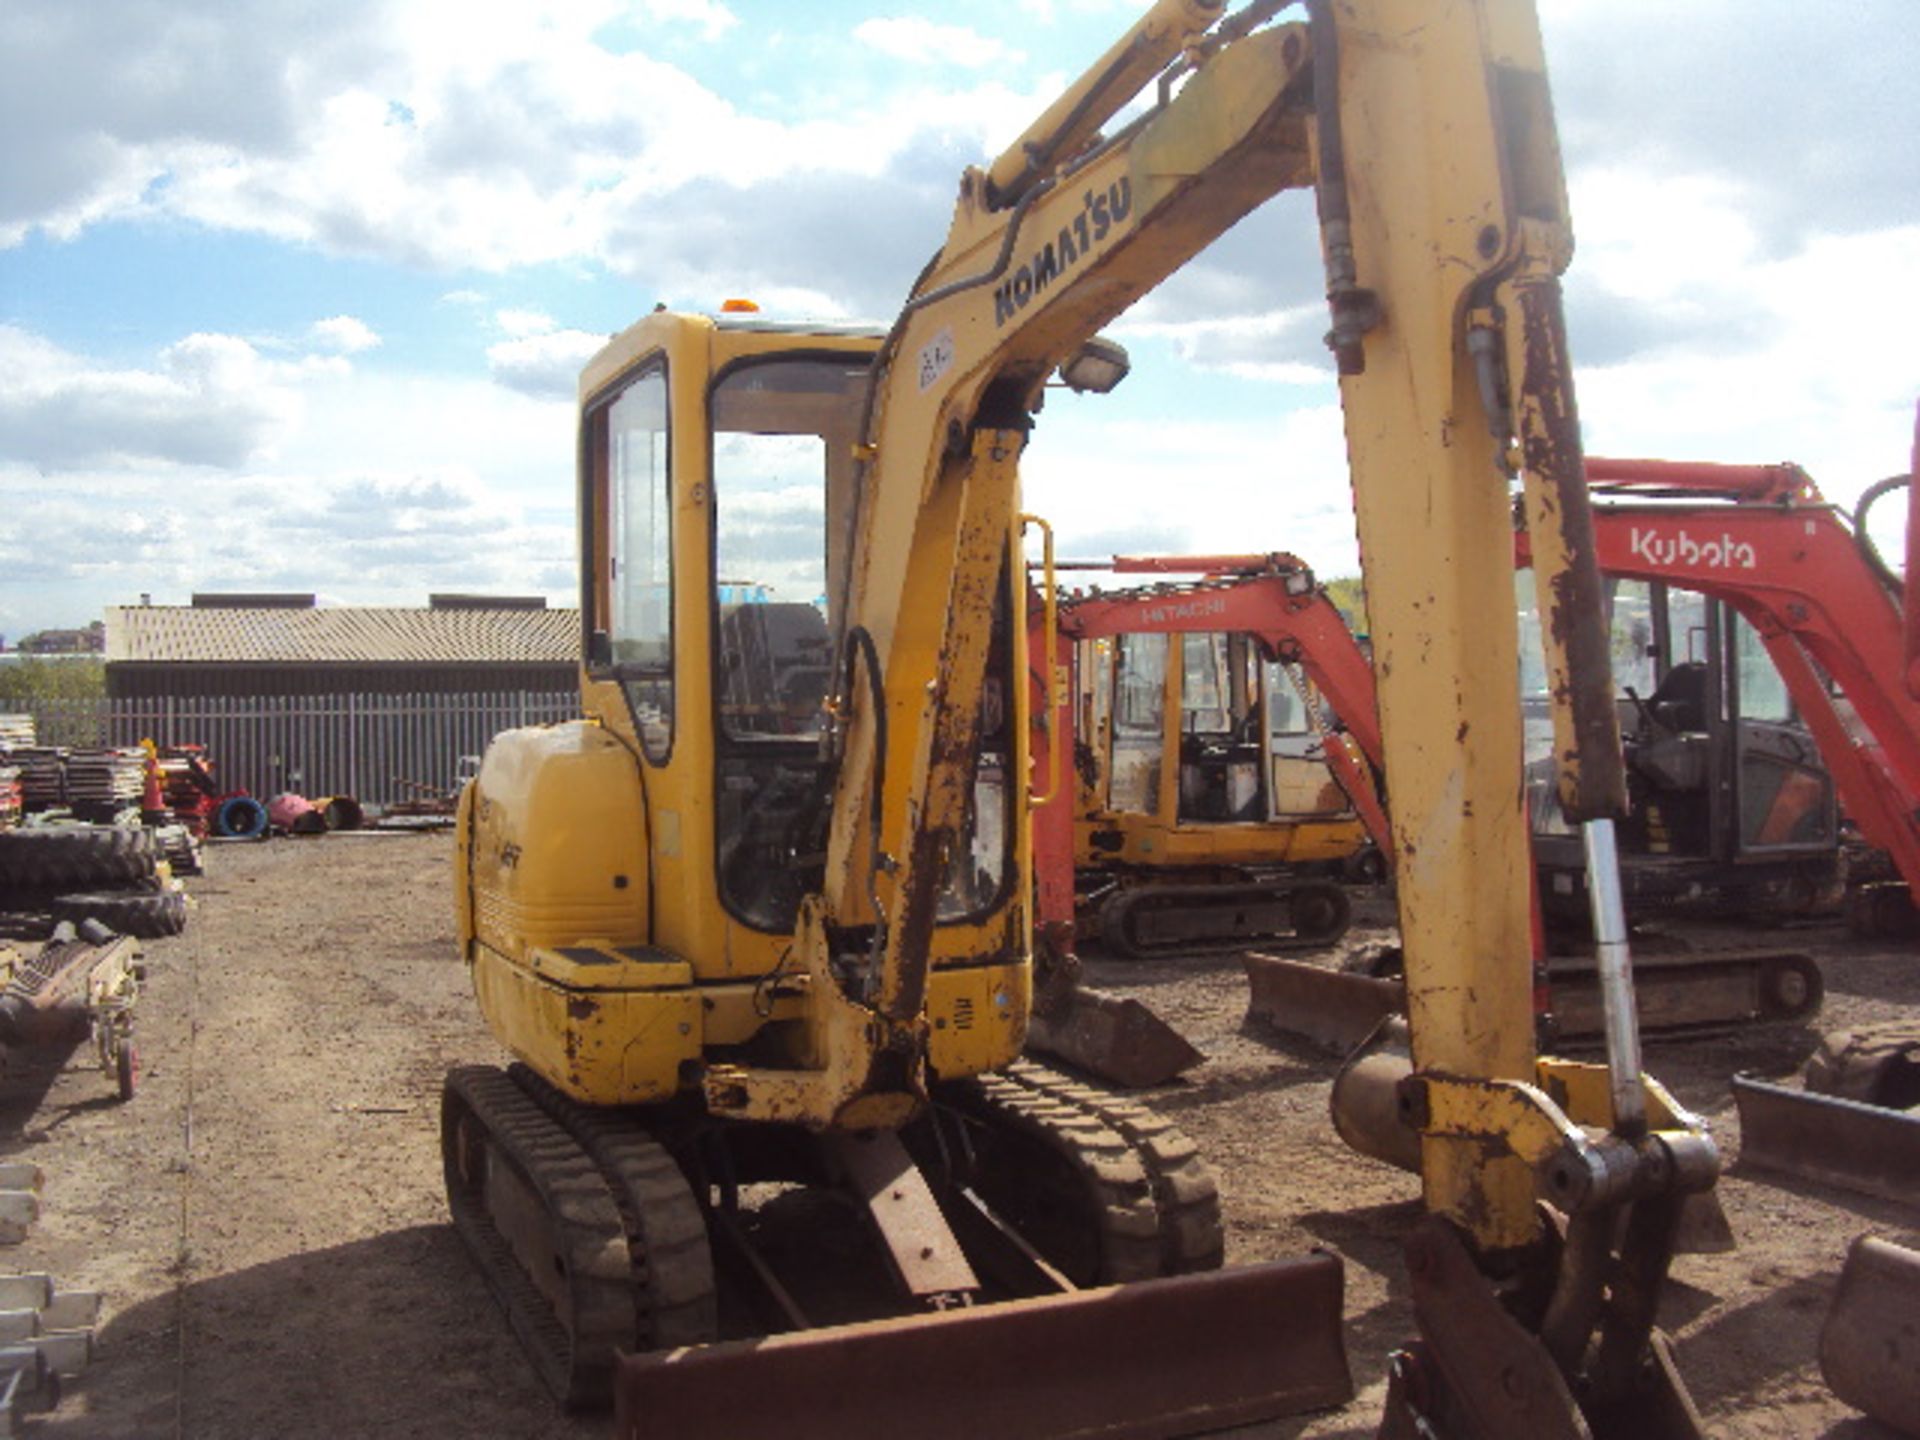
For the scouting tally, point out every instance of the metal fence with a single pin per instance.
(380, 749)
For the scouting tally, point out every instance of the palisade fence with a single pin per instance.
(380, 749)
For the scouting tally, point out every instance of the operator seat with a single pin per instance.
(1679, 701)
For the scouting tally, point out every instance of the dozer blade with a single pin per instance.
(1677, 996)
(1867, 1148)
(1870, 1345)
(1179, 1356)
(1329, 1007)
(1119, 1041)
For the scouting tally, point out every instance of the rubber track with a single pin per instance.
(1186, 1197)
(574, 1356)
(1118, 942)
(1115, 1174)
(674, 1299)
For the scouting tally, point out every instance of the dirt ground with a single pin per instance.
(265, 1218)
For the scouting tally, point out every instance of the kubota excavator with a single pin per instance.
(764, 917)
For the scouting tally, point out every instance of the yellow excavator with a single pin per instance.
(759, 927)
(1201, 820)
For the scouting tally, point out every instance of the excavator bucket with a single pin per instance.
(1117, 1040)
(1870, 1345)
(1828, 1139)
(1179, 1356)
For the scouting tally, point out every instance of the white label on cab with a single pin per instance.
(936, 358)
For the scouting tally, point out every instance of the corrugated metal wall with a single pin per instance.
(131, 679)
(381, 749)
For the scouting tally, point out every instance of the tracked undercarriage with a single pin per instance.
(596, 1241)
(1145, 921)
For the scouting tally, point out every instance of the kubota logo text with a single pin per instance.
(1725, 553)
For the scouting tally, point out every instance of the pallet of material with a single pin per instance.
(43, 776)
(105, 777)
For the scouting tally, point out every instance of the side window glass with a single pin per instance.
(1139, 693)
(1763, 694)
(640, 624)
(1631, 603)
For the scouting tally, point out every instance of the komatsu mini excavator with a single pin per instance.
(763, 919)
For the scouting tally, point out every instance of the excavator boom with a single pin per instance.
(767, 916)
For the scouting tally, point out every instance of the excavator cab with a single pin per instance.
(1184, 839)
(1733, 809)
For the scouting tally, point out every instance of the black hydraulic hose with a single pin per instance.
(883, 362)
(1869, 551)
(861, 641)
(1041, 157)
(1349, 305)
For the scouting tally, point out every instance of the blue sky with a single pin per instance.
(292, 295)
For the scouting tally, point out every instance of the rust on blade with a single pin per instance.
(1331, 1008)
(1119, 1041)
(1179, 1356)
(1823, 1138)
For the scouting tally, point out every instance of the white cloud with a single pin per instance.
(381, 489)
(711, 18)
(1115, 483)
(345, 334)
(522, 323)
(920, 41)
(209, 400)
(1278, 345)
(436, 134)
(544, 364)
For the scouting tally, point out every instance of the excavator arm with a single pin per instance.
(1426, 131)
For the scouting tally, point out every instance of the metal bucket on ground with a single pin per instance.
(1870, 1345)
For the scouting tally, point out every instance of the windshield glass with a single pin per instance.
(782, 455)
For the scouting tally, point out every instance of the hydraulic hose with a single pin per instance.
(1869, 551)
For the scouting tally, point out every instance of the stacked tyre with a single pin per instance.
(108, 873)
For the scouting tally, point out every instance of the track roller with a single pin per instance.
(1141, 922)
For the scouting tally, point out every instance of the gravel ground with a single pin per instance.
(265, 1219)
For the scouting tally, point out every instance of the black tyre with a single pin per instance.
(59, 857)
(127, 1070)
(241, 817)
(143, 915)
